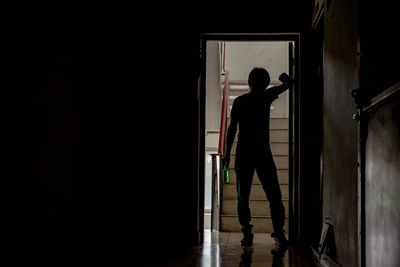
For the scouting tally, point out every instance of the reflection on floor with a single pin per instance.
(223, 249)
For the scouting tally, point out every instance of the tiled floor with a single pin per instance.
(223, 249)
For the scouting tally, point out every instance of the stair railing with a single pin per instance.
(217, 168)
(222, 128)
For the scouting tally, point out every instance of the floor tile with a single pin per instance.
(222, 249)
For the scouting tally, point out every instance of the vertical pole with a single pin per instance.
(291, 115)
(216, 192)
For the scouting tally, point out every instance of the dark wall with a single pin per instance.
(379, 71)
(105, 150)
(359, 52)
(382, 211)
(379, 53)
(341, 76)
(44, 137)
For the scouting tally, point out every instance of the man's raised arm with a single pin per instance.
(287, 82)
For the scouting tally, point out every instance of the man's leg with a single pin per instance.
(269, 179)
(244, 178)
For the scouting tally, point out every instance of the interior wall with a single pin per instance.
(44, 168)
(241, 57)
(379, 71)
(341, 76)
(99, 166)
(213, 87)
(378, 44)
(382, 210)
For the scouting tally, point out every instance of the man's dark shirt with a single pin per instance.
(252, 114)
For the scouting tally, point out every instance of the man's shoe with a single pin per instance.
(247, 240)
(281, 244)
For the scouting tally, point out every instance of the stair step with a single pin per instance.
(274, 123)
(235, 93)
(277, 148)
(258, 207)
(238, 87)
(230, 102)
(257, 192)
(261, 224)
(281, 162)
(279, 135)
(283, 177)
(278, 124)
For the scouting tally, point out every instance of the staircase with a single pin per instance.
(259, 206)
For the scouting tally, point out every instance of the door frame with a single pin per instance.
(294, 122)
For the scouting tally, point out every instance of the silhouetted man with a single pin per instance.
(251, 111)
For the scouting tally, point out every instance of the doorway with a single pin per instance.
(219, 53)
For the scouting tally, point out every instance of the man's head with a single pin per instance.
(258, 80)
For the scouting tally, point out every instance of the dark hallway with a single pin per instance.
(107, 161)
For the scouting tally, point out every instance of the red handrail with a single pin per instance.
(221, 143)
(217, 156)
